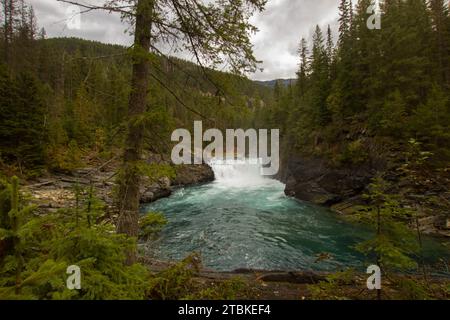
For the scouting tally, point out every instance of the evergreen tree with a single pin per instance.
(319, 78)
(330, 54)
(366, 57)
(10, 10)
(22, 125)
(277, 90)
(431, 123)
(304, 66)
(441, 39)
(393, 244)
(223, 37)
(406, 35)
(343, 102)
(344, 21)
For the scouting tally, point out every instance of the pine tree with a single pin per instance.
(366, 61)
(12, 233)
(84, 118)
(303, 70)
(9, 20)
(431, 123)
(224, 37)
(331, 62)
(344, 21)
(33, 263)
(393, 116)
(406, 36)
(277, 90)
(23, 45)
(343, 90)
(22, 125)
(42, 35)
(393, 243)
(319, 79)
(441, 39)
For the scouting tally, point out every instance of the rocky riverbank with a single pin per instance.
(253, 284)
(56, 190)
(313, 180)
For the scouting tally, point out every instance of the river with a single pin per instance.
(243, 220)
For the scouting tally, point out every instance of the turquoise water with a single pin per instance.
(243, 220)
(254, 226)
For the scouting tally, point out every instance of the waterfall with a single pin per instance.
(238, 173)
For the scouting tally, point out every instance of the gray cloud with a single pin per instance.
(281, 26)
(94, 25)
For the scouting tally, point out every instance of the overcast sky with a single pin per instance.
(281, 27)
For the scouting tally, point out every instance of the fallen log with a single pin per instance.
(293, 277)
(42, 184)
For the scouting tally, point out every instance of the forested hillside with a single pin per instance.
(85, 134)
(66, 97)
(391, 84)
(63, 107)
(372, 103)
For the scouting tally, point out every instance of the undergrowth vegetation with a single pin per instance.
(36, 250)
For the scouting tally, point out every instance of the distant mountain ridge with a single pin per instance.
(187, 72)
(271, 83)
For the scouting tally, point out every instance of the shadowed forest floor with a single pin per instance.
(299, 285)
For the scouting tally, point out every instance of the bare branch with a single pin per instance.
(91, 7)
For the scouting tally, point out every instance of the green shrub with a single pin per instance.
(38, 250)
(175, 282)
(226, 290)
(332, 287)
(151, 224)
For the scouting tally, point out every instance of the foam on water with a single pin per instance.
(238, 173)
(244, 220)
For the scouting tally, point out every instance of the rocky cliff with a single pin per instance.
(55, 191)
(312, 179)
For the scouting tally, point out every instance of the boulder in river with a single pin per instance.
(186, 175)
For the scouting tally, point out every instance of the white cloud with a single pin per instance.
(281, 26)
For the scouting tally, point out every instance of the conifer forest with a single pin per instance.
(106, 188)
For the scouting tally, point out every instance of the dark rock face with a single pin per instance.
(193, 174)
(313, 180)
(56, 190)
(185, 175)
(154, 192)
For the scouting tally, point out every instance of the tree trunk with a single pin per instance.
(8, 8)
(137, 105)
(378, 237)
(419, 239)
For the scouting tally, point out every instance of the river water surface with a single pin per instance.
(243, 220)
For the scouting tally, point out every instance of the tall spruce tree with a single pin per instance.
(441, 39)
(303, 69)
(406, 43)
(344, 105)
(214, 32)
(23, 130)
(320, 81)
(331, 58)
(344, 21)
